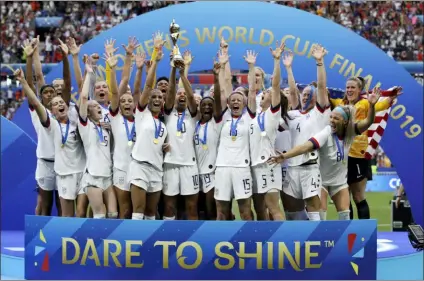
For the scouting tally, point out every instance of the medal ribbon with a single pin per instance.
(180, 121)
(205, 132)
(233, 130)
(64, 137)
(261, 121)
(99, 132)
(339, 149)
(158, 128)
(130, 135)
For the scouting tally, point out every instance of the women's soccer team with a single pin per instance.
(158, 151)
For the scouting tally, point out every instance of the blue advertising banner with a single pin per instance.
(72, 248)
(203, 23)
(383, 182)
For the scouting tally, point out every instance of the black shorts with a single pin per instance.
(358, 169)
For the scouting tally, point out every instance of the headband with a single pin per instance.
(45, 87)
(343, 113)
(205, 98)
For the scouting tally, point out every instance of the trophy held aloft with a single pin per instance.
(174, 31)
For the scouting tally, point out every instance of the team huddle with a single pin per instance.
(134, 153)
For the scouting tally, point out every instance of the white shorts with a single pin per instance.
(178, 179)
(285, 178)
(144, 176)
(69, 186)
(120, 179)
(266, 178)
(45, 175)
(207, 182)
(333, 190)
(93, 181)
(233, 182)
(304, 181)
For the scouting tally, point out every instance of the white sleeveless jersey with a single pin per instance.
(332, 167)
(69, 158)
(97, 148)
(206, 152)
(145, 148)
(45, 147)
(234, 152)
(262, 147)
(182, 147)
(303, 126)
(121, 150)
(283, 144)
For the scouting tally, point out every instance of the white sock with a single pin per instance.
(169, 218)
(137, 216)
(314, 216)
(113, 215)
(99, 216)
(323, 215)
(150, 218)
(344, 215)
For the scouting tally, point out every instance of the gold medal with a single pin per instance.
(178, 134)
(344, 162)
(205, 147)
(155, 141)
(233, 138)
(263, 133)
(62, 145)
(130, 143)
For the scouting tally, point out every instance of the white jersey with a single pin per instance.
(283, 144)
(233, 149)
(262, 143)
(70, 157)
(207, 147)
(180, 139)
(105, 114)
(96, 142)
(151, 137)
(258, 101)
(333, 163)
(302, 126)
(124, 138)
(45, 147)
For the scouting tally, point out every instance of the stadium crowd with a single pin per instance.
(394, 26)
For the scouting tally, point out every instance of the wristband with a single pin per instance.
(319, 64)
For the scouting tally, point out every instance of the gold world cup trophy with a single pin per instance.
(174, 30)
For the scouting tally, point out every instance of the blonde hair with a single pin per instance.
(262, 75)
(350, 132)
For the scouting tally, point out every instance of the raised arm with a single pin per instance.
(372, 98)
(74, 50)
(276, 76)
(37, 67)
(294, 95)
(83, 97)
(188, 59)
(151, 76)
(295, 151)
(112, 61)
(219, 106)
(32, 97)
(125, 77)
(250, 58)
(139, 62)
(192, 105)
(318, 52)
(227, 77)
(66, 92)
(223, 60)
(29, 48)
(170, 96)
